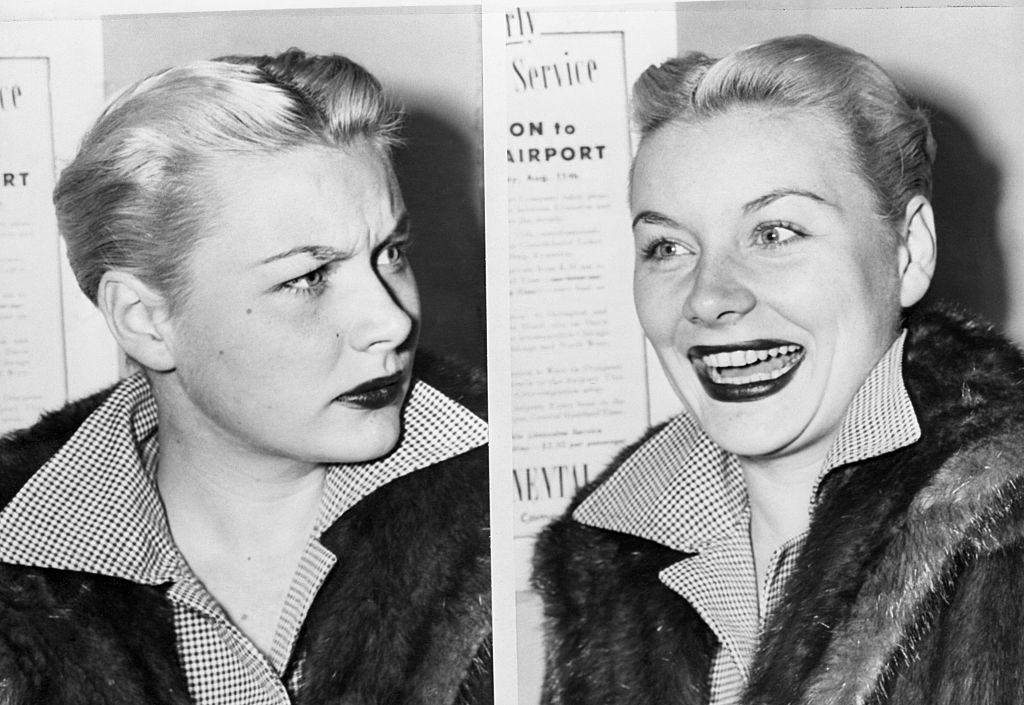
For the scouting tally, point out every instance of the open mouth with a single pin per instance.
(746, 371)
(375, 393)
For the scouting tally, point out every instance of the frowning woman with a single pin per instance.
(278, 507)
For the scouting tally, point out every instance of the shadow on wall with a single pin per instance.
(967, 191)
(441, 180)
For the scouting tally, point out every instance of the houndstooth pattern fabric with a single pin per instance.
(94, 507)
(681, 490)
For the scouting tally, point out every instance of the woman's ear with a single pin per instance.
(139, 318)
(917, 249)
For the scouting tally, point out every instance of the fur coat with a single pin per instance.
(404, 617)
(909, 589)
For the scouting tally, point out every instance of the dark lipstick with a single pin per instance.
(375, 393)
(746, 371)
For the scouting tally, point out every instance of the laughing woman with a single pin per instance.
(838, 516)
(277, 508)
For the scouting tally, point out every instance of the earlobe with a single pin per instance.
(917, 251)
(138, 317)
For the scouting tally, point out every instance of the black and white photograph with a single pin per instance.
(598, 353)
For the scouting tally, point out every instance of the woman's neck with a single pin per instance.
(235, 500)
(779, 497)
(779, 492)
(213, 483)
(241, 523)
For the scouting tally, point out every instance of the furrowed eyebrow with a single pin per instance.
(654, 218)
(321, 253)
(325, 253)
(772, 196)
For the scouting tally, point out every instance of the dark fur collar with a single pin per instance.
(894, 546)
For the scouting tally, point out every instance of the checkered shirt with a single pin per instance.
(94, 507)
(681, 490)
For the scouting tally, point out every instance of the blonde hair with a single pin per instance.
(133, 199)
(890, 140)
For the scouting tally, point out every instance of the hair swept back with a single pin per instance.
(890, 139)
(133, 197)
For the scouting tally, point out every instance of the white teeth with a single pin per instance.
(717, 377)
(742, 358)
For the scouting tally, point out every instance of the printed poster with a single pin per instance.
(32, 371)
(578, 370)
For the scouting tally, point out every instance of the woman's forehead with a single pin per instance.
(749, 152)
(344, 198)
(755, 120)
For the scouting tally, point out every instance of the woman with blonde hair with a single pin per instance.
(837, 515)
(278, 507)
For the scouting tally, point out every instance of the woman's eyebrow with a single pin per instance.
(323, 253)
(771, 196)
(654, 218)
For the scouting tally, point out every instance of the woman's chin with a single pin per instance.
(365, 438)
(763, 428)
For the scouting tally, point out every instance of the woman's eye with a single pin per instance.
(392, 256)
(663, 249)
(308, 282)
(775, 234)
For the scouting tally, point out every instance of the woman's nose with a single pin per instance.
(384, 314)
(718, 294)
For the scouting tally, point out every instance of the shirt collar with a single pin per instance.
(94, 507)
(681, 490)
